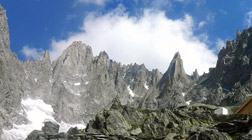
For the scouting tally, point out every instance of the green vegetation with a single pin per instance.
(235, 137)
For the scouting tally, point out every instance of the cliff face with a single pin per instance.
(171, 88)
(230, 82)
(11, 78)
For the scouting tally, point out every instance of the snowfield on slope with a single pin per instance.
(37, 112)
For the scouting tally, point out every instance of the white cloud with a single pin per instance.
(248, 19)
(209, 19)
(98, 2)
(32, 53)
(151, 39)
(201, 24)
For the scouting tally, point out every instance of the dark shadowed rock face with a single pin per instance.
(230, 82)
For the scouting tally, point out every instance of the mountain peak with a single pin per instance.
(46, 60)
(175, 73)
(103, 54)
(1, 7)
(176, 66)
(77, 50)
(77, 56)
(195, 75)
(76, 45)
(46, 56)
(177, 56)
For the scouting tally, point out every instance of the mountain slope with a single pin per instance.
(230, 82)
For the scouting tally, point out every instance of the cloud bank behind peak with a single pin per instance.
(151, 39)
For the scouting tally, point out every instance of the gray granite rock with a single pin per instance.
(229, 83)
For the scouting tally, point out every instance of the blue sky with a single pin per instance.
(142, 31)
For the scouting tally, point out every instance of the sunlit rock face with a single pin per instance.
(71, 90)
(76, 86)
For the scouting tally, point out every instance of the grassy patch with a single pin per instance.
(235, 137)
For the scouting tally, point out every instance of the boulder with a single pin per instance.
(50, 128)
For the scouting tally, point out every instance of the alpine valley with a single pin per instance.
(108, 100)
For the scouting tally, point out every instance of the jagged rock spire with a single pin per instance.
(173, 84)
(176, 68)
(195, 75)
(46, 56)
(4, 31)
(46, 60)
(175, 73)
(238, 34)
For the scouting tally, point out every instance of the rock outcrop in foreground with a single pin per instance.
(197, 122)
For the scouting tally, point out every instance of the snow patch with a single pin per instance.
(146, 86)
(183, 94)
(188, 102)
(86, 83)
(132, 94)
(124, 75)
(36, 80)
(77, 84)
(64, 127)
(37, 112)
(65, 81)
(221, 111)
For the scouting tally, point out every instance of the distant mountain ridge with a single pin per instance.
(230, 82)
(78, 85)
